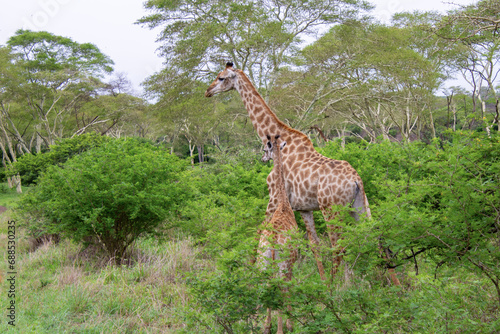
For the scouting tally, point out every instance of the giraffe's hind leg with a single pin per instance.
(333, 198)
(362, 207)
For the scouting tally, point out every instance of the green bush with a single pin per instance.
(230, 199)
(109, 195)
(31, 166)
(434, 205)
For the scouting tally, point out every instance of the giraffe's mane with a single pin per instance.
(282, 125)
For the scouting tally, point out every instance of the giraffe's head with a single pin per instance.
(225, 81)
(269, 149)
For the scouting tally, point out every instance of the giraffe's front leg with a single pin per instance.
(308, 218)
(334, 234)
(271, 207)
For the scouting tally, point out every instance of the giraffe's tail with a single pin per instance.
(360, 203)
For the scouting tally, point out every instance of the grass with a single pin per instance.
(9, 196)
(62, 288)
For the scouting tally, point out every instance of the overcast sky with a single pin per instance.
(109, 24)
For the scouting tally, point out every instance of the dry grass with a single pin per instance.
(70, 275)
(66, 288)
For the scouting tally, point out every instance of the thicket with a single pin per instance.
(435, 207)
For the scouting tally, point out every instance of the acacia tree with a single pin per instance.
(16, 134)
(476, 29)
(259, 36)
(51, 88)
(182, 111)
(54, 74)
(109, 195)
(372, 76)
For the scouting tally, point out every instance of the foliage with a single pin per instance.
(434, 206)
(373, 76)
(229, 199)
(109, 195)
(181, 108)
(258, 36)
(45, 52)
(474, 29)
(31, 166)
(439, 201)
(54, 75)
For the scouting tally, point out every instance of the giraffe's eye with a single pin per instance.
(221, 79)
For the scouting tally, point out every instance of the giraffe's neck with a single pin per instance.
(282, 195)
(264, 121)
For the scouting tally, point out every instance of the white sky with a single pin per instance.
(109, 24)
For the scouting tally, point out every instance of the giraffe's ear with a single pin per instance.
(283, 144)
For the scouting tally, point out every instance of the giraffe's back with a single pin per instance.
(317, 181)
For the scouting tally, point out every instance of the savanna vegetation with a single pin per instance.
(140, 214)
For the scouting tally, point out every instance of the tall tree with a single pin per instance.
(44, 80)
(259, 36)
(476, 28)
(372, 76)
(182, 111)
(54, 75)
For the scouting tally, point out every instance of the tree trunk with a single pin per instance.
(201, 157)
(448, 103)
(17, 180)
(454, 111)
(38, 141)
(497, 114)
(341, 135)
(433, 128)
(191, 150)
(473, 109)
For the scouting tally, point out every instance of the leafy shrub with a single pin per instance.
(31, 166)
(109, 195)
(228, 198)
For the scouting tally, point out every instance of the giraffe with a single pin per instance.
(312, 181)
(278, 231)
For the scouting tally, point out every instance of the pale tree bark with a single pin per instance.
(8, 159)
(341, 133)
(433, 128)
(381, 120)
(191, 149)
